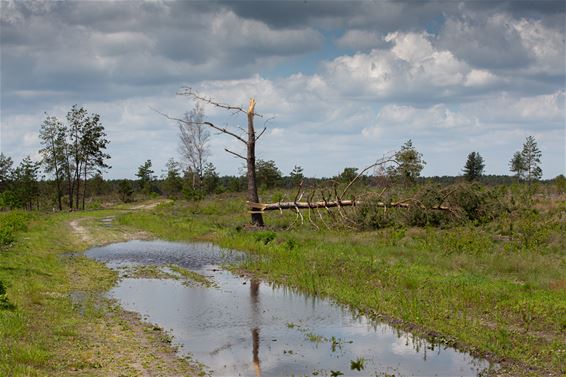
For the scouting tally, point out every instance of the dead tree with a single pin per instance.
(335, 199)
(249, 140)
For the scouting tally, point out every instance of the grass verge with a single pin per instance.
(58, 321)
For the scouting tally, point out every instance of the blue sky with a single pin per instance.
(345, 82)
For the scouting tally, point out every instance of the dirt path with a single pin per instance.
(151, 205)
(120, 343)
(81, 231)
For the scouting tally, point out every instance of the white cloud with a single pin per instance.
(545, 46)
(408, 119)
(487, 78)
(548, 109)
(413, 68)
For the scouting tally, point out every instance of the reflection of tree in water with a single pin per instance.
(254, 295)
(255, 351)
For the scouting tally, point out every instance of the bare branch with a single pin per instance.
(222, 130)
(189, 92)
(380, 162)
(261, 133)
(235, 154)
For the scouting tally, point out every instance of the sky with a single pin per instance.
(339, 84)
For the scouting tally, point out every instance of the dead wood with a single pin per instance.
(261, 207)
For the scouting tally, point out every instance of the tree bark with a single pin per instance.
(257, 218)
(84, 185)
(260, 207)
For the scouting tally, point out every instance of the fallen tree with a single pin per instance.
(338, 200)
(260, 207)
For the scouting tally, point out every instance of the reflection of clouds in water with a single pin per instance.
(403, 346)
(217, 327)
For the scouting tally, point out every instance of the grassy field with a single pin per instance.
(497, 289)
(496, 292)
(54, 319)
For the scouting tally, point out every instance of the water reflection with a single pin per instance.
(254, 299)
(298, 334)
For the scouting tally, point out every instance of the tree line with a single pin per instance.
(73, 157)
(71, 153)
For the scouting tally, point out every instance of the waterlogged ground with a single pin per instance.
(238, 326)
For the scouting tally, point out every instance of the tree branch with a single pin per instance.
(261, 133)
(380, 162)
(220, 129)
(235, 154)
(189, 92)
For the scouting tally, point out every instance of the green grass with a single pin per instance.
(482, 288)
(497, 289)
(59, 322)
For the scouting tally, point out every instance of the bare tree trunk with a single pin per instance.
(69, 179)
(257, 218)
(78, 179)
(84, 187)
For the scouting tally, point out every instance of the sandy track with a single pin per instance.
(81, 231)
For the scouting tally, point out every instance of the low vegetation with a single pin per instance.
(54, 318)
(477, 262)
(491, 282)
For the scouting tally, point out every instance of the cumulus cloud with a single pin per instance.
(412, 68)
(359, 78)
(408, 120)
(547, 110)
(502, 42)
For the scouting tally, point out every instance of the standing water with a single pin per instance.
(243, 327)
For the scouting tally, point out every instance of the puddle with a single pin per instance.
(243, 327)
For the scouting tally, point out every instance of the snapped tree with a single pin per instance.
(249, 139)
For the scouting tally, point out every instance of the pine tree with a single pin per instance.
(526, 163)
(410, 163)
(296, 175)
(531, 158)
(145, 175)
(474, 166)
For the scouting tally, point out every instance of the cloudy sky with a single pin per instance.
(345, 82)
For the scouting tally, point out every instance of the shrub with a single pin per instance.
(477, 203)
(11, 223)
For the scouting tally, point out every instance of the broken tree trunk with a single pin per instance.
(261, 207)
(257, 218)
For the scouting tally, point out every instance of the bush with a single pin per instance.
(11, 223)
(374, 216)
